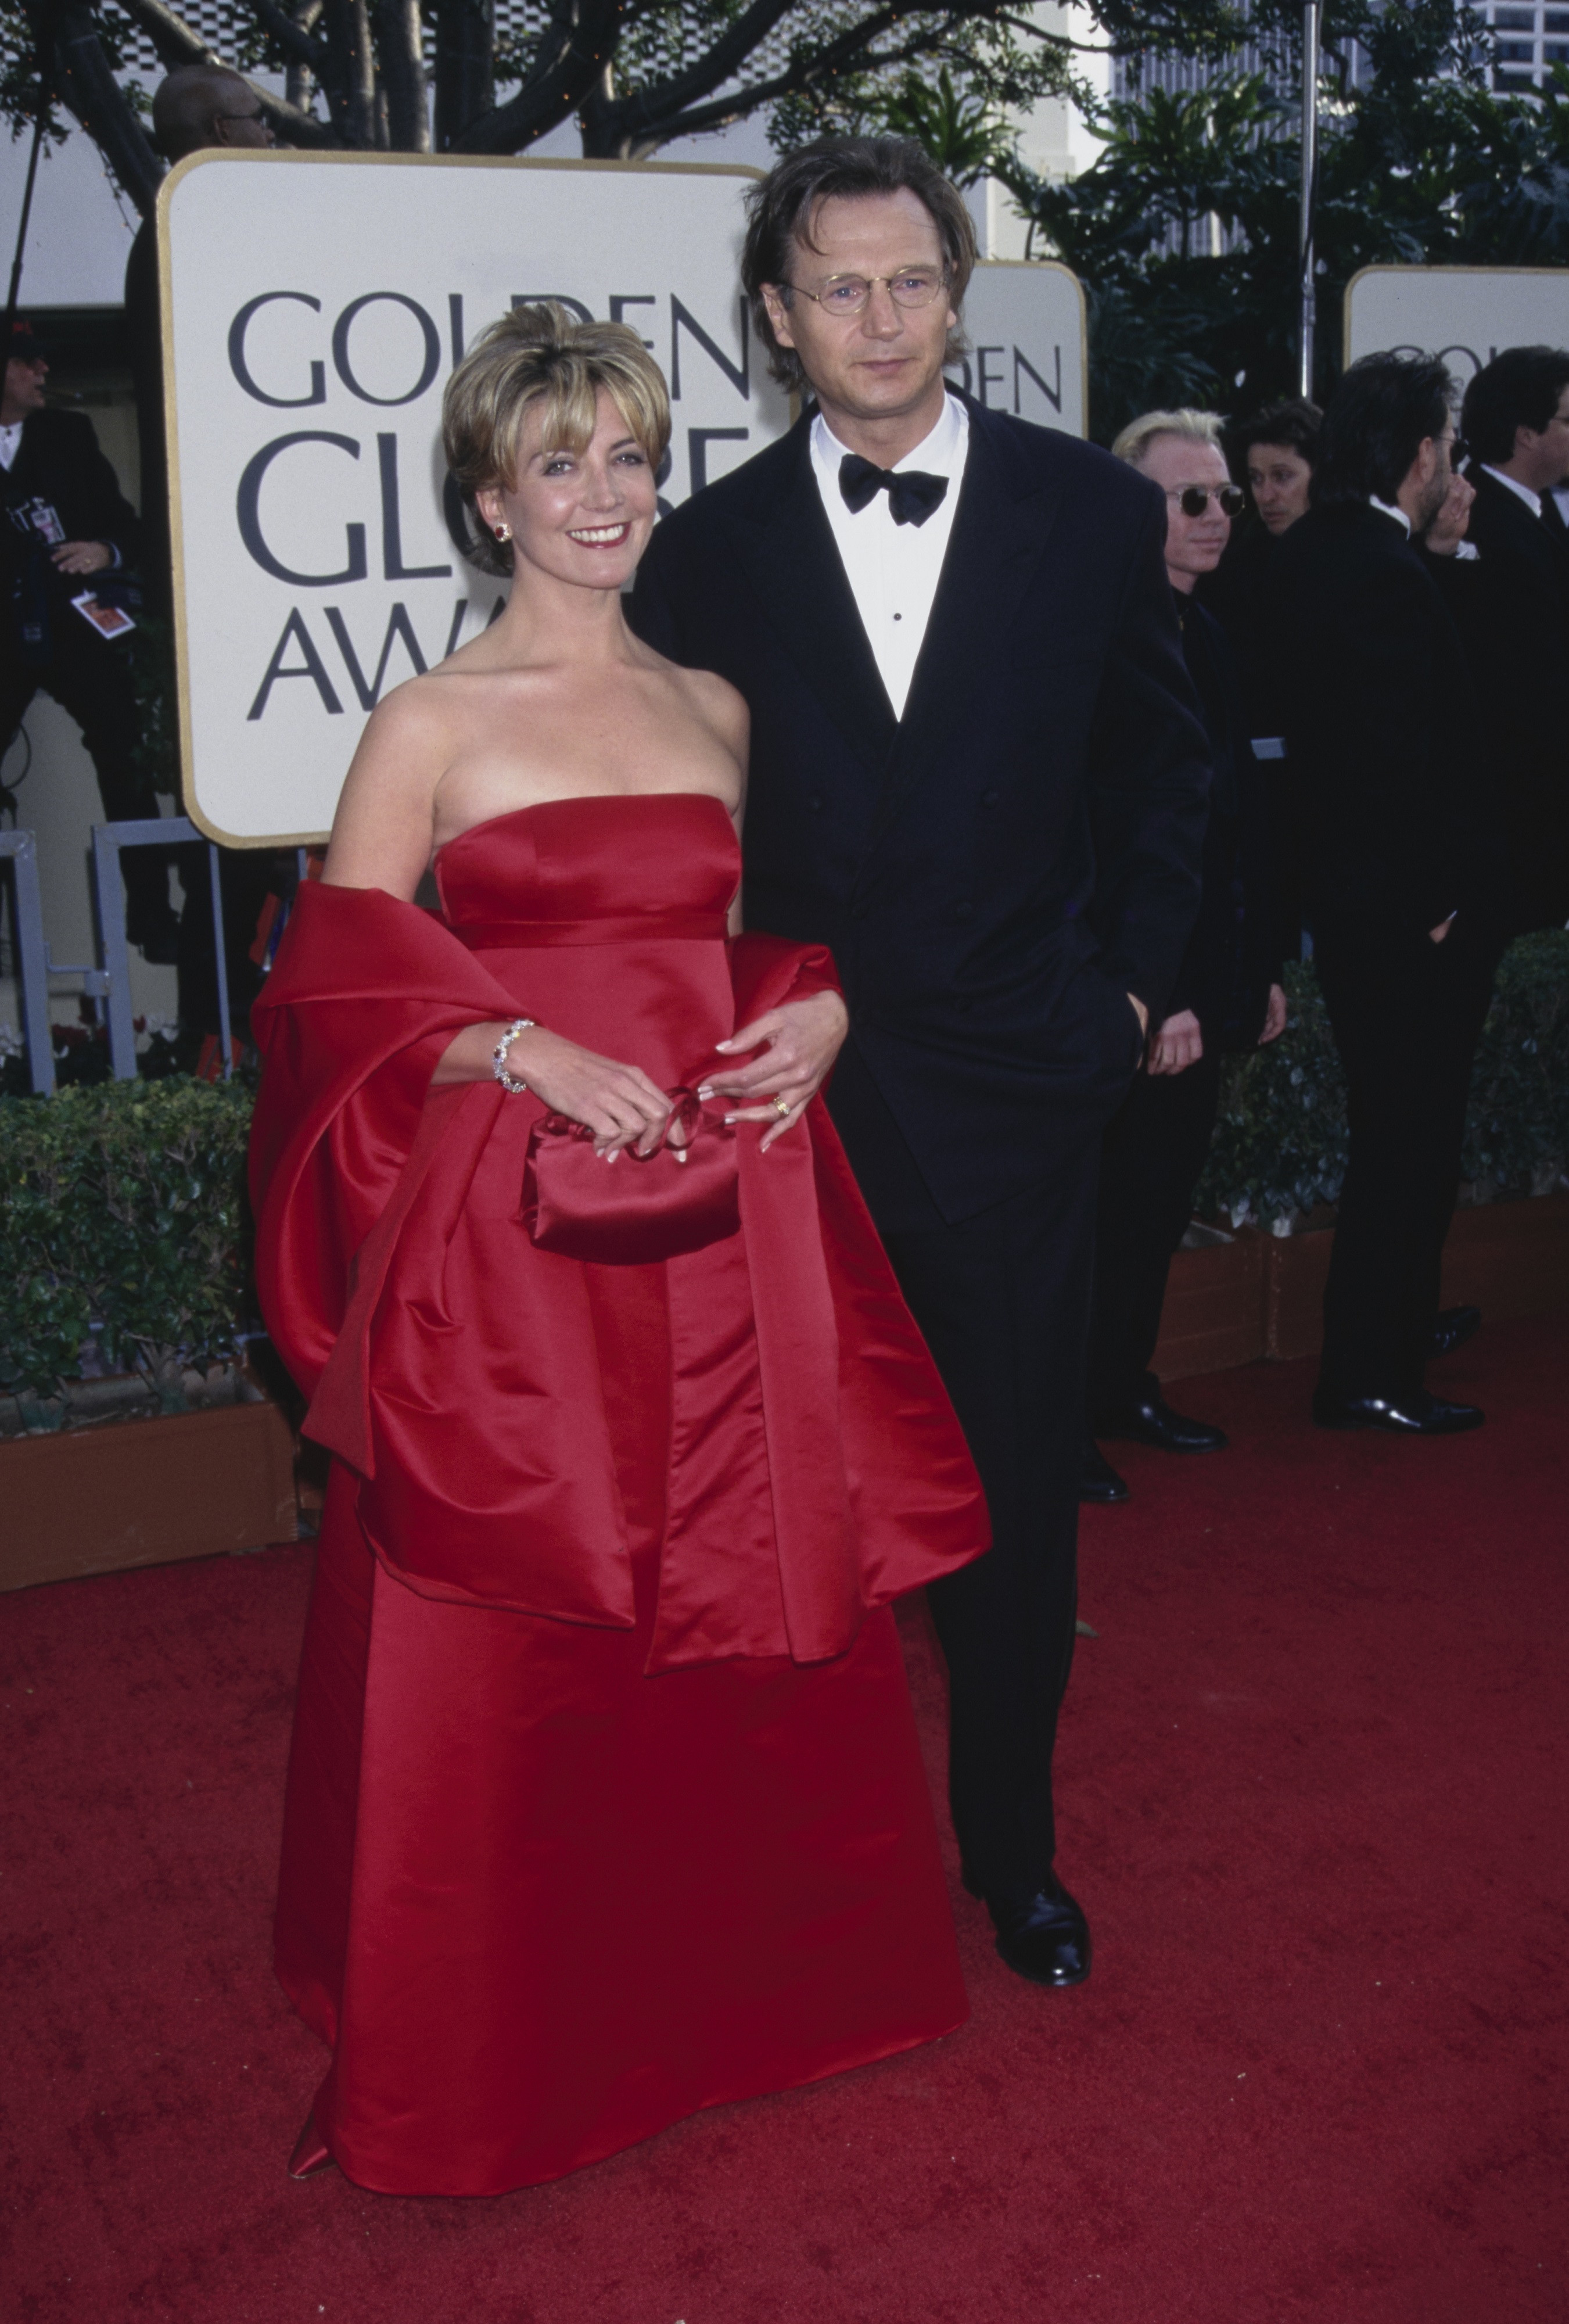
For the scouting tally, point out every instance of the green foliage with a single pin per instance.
(1280, 1143)
(1420, 164)
(122, 1222)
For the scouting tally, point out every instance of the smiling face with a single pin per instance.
(1193, 544)
(581, 517)
(883, 365)
(1278, 478)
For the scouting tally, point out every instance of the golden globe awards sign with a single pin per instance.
(1464, 314)
(313, 310)
(314, 307)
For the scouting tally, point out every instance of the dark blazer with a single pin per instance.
(1390, 812)
(1234, 954)
(995, 871)
(1513, 607)
(58, 467)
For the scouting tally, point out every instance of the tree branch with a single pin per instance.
(92, 93)
(846, 54)
(401, 48)
(586, 43)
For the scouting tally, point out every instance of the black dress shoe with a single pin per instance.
(1452, 1327)
(1420, 1414)
(1043, 1937)
(1151, 1421)
(1098, 1481)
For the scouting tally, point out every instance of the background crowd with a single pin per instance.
(1381, 649)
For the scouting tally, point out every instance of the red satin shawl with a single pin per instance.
(455, 1368)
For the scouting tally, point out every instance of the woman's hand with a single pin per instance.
(1274, 1015)
(1177, 1044)
(619, 1103)
(799, 1042)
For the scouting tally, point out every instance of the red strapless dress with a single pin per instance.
(605, 1801)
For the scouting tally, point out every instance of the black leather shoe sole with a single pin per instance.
(1424, 1416)
(1046, 1940)
(1100, 1486)
(1166, 1431)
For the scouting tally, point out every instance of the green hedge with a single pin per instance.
(123, 1217)
(1281, 1144)
(122, 1223)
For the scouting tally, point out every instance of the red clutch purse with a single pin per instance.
(643, 1208)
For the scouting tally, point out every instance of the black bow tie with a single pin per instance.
(911, 494)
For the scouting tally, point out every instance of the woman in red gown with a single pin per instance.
(604, 1803)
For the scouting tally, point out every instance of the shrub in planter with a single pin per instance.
(121, 1224)
(1280, 1143)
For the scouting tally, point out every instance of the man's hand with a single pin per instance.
(1141, 1010)
(1274, 1015)
(1178, 1045)
(82, 556)
(799, 1043)
(1447, 530)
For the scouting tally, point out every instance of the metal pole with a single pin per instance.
(1312, 31)
(220, 955)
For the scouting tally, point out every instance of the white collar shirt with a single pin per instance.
(1388, 508)
(893, 570)
(10, 444)
(1521, 491)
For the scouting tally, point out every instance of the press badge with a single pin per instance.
(109, 620)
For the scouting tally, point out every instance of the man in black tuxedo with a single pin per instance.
(68, 532)
(1399, 856)
(977, 774)
(1514, 614)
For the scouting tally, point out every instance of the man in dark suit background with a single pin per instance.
(68, 532)
(1399, 857)
(977, 775)
(1514, 614)
(1227, 996)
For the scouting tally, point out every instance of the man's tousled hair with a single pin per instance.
(1377, 419)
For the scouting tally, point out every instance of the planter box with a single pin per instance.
(1508, 1259)
(146, 1492)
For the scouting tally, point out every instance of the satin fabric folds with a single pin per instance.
(604, 1803)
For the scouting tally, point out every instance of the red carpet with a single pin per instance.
(1313, 1777)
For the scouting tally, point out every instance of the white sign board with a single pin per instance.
(1464, 314)
(313, 308)
(1028, 348)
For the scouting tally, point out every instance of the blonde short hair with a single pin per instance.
(1197, 426)
(540, 355)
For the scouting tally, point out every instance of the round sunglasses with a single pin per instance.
(1194, 499)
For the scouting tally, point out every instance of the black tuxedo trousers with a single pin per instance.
(1405, 1014)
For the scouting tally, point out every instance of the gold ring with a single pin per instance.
(781, 1106)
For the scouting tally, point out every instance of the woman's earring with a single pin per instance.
(504, 533)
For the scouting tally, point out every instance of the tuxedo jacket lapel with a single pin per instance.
(789, 551)
(1000, 528)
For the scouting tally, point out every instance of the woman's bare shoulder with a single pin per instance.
(717, 703)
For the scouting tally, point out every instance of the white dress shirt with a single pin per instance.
(1521, 491)
(10, 444)
(893, 570)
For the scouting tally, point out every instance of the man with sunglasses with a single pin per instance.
(1227, 995)
(977, 774)
(1397, 843)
